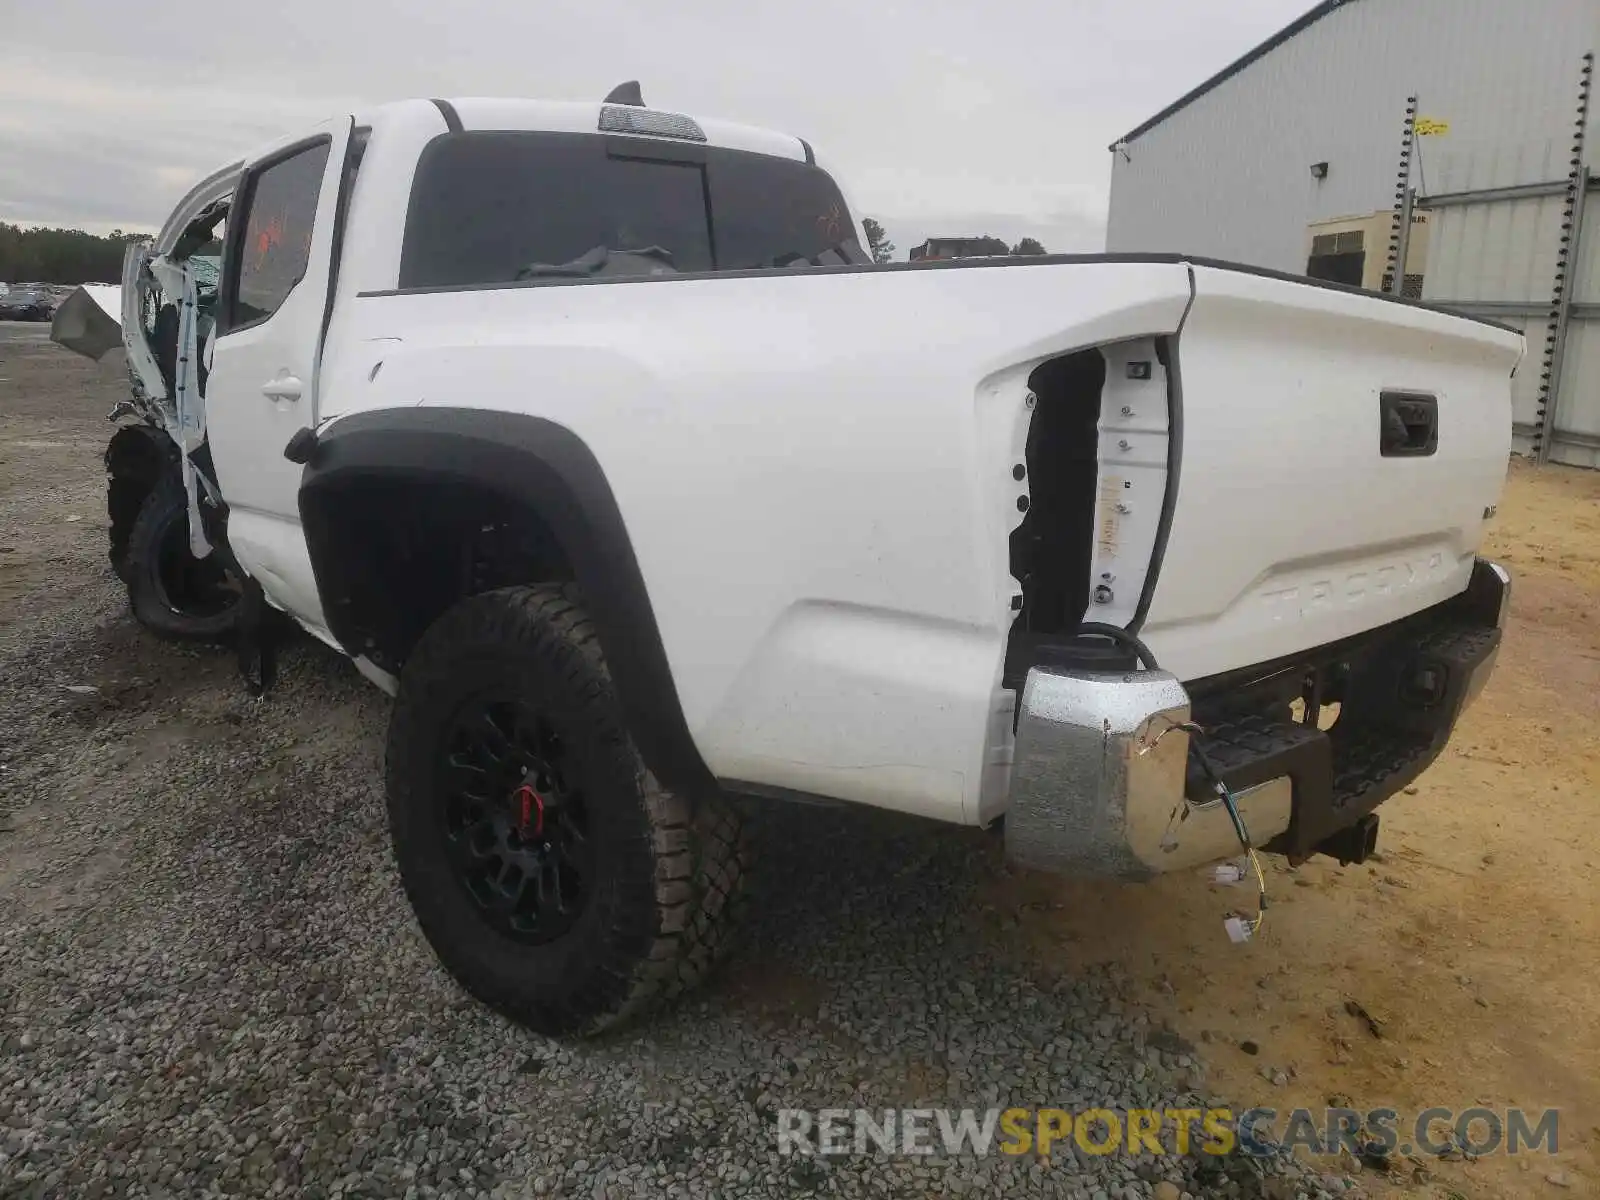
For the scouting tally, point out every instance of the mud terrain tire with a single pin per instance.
(504, 707)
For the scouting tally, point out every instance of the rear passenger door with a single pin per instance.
(271, 313)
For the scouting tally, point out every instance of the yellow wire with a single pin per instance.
(1261, 882)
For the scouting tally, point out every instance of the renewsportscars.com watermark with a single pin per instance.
(837, 1132)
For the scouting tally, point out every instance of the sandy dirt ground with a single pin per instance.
(1474, 940)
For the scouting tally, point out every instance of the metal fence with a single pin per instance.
(1514, 237)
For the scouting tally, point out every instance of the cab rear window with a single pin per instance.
(495, 207)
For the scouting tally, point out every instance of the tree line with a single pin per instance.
(882, 248)
(989, 244)
(62, 255)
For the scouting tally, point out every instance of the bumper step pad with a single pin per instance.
(1391, 727)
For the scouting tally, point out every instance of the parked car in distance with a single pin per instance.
(17, 304)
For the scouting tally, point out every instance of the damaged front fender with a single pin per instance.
(97, 317)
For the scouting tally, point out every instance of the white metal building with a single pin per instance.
(1460, 124)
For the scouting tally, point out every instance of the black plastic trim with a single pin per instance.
(1298, 26)
(452, 119)
(811, 155)
(549, 469)
(354, 150)
(944, 264)
(1167, 350)
(1300, 662)
(767, 791)
(301, 446)
(1331, 286)
(1396, 406)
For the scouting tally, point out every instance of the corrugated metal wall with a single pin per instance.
(1503, 251)
(1577, 411)
(1230, 176)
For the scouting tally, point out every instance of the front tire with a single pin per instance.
(553, 876)
(173, 594)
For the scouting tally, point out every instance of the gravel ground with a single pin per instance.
(212, 984)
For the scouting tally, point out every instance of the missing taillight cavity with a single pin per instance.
(1050, 550)
(1097, 469)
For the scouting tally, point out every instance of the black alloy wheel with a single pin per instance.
(514, 819)
(550, 871)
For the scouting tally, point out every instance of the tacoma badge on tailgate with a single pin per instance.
(1318, 594)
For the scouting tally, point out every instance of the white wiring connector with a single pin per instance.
(1239, 930)
(1228, 873)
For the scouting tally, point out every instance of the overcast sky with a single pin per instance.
(938, 117)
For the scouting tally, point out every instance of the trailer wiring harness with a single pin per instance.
(1239, 928)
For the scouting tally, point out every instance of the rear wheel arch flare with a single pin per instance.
(380, 591)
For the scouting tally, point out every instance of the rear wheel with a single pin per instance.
(551, 873)
(174, 594)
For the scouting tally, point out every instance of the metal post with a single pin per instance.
(1568, 262)
(1558, 348)
(1404, 199)
(1403, 242)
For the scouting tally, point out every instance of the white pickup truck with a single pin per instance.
(589, 433)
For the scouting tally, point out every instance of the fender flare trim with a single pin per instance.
(544, 467)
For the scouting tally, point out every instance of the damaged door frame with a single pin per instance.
(164, 263)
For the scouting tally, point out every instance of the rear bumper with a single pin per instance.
(1106, 781)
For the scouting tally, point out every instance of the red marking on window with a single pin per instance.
(268, 238)
(831, 223)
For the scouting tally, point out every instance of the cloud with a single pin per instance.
(938, 117)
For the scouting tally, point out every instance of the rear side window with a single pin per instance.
(495, 207)
(275, 245)
(776, 212)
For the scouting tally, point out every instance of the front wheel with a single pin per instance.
(550, 872)
(172, 593)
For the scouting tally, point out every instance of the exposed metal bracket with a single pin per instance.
(1517, 308)
(1522, 191)
(1561, 437)
(1402, 248)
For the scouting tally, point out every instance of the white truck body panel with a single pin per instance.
(853, 645)
(815, 468)
(837, 628)
(264, 378)
(1289, 530)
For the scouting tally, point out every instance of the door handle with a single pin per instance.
(285, 387)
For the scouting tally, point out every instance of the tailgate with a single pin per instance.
(1298, 519)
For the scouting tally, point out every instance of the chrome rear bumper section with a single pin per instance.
(1103, 784)
(1098, 785)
